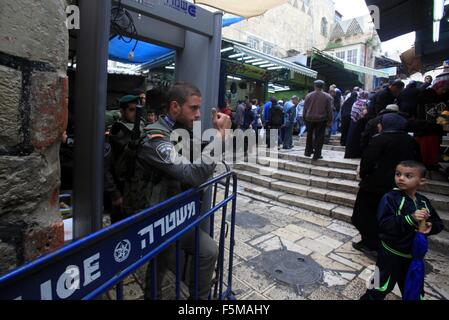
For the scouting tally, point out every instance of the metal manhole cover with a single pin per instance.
(249, 220)
(292, 268)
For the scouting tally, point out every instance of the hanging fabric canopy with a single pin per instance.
(119, 49)
(144, 52)
(245, 8)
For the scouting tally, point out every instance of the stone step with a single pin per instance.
(432, 186)
(339, 163)
(332, 142)
(439, 202)
(266, 175)
(438, 242)
(437, 187)
(311, 192)
(445, 217)
(311, 169)
(330, 191)
(325, 147)
(317, 206)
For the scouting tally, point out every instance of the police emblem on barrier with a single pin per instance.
(122, 250)
(166, 152)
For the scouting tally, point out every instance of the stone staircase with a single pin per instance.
(328, 186)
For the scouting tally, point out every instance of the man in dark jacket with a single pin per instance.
(318, 116)
(385, 97)
(275, 122)
(408, 99)
(377, 169)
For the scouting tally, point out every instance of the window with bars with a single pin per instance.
(254, 43)
(324, 27)
(268, 48)
(341, 55)
(352, 56)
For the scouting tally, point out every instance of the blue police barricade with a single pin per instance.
(88, 267)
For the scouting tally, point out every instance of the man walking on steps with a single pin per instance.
(318, 117)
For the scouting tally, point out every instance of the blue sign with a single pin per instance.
(75, 271)
(182, 5)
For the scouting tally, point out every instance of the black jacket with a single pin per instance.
(380, 101)
(408, 101)
(384, 152)
(397, 227)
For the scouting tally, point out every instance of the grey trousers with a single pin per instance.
(208, 254)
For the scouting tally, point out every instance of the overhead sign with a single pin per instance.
(181, 5)
(78, 269)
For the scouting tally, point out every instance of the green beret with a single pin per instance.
(128, 99)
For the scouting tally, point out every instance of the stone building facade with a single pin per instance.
(356, 41)
(33, 116)
(287, 30)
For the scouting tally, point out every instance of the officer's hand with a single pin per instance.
(222, 122)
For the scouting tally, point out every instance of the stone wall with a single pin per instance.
(293, 25)
(33, 116)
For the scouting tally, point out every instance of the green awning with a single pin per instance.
(350, 66)
(365, 70)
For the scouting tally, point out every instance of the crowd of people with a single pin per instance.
(141, 169)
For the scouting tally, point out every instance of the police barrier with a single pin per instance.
(86, 268)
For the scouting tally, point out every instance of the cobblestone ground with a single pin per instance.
(325, 240)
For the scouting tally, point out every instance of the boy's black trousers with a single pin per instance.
(391, 270)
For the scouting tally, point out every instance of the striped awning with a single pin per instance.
(274, 60)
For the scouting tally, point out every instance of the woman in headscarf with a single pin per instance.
(346, 116)
(377, 170)
(427, 132)
(357, 126)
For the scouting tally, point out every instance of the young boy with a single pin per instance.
(400, 214)
(152, 116)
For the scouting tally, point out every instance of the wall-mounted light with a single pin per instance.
(438, 13)
(234, 78)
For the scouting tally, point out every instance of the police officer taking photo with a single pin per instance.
(160, 174)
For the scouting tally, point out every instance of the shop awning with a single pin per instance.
(271, 60)
(245, 8)
(366, 70)
(398, 17)
(351, 66)
(119, 49)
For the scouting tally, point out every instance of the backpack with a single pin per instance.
(276, 116)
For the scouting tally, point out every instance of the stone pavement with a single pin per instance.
(304, 207)
(327, 241)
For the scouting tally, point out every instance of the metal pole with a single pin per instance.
(90, 103)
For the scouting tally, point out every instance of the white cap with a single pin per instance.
(393, 107)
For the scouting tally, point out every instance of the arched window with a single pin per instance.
(324, 27)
